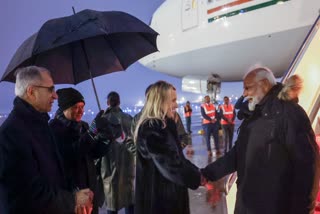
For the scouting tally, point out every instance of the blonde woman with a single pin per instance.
(163, 175)
(291, 89)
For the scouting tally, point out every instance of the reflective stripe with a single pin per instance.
(227, 112)
(210, 111)
(188, 113)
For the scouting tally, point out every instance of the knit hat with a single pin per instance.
(68, 97)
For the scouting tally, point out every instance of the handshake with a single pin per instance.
(203, 180)
(84, 200)
(106, 127)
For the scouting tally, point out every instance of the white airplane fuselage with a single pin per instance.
(227, 37)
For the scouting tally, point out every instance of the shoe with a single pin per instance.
(218, 153)
(209, 153)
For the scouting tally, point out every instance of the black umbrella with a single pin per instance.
(85, 45)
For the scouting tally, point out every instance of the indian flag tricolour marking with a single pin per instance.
(238, 7)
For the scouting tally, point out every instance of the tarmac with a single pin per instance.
(210, 199)
(205, 200)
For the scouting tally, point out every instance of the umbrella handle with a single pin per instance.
(95, 92)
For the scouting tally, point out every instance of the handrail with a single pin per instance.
(301, 50)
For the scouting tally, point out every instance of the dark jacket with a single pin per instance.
(3, 198)
(79, 151)
(276, 159)
(163, 175)
(184, 137)
(33, 173)
(117, 165)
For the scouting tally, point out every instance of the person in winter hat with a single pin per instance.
(78, 147)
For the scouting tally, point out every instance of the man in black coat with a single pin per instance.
(275, 156)
(79, 148)
(32, 174)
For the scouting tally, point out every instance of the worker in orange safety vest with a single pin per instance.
(210, 124)
(187, 115)
(227, 114)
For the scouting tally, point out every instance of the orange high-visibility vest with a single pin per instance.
(187, 113)
(227, 111)
(210, 110)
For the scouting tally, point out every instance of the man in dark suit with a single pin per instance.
(32, 174)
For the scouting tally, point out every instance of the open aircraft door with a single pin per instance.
(307, 65)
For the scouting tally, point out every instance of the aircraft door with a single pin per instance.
(307, 65)
(189, 14)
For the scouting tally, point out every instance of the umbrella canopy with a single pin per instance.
(85, 45)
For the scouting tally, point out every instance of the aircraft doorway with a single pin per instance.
(307, 65)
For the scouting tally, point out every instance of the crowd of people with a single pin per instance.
(66, 165)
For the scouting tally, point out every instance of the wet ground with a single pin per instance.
(202, 200)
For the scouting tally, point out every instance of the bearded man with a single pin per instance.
(275, 156)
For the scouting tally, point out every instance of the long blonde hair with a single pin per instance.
(154, 107)
(293, 84)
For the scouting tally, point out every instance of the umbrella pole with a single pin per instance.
(92, 82)
(88, 66)
(95, 90)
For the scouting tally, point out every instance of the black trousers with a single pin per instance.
(227, 136)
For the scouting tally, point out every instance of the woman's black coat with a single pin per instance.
(163, 175)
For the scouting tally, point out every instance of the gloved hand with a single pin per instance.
(93, 125)
(109, 127)
(102, 123)
(98, 117)
(115, 126)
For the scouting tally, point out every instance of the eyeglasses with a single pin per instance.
(50, 89)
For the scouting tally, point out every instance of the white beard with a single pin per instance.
(256, 98)
(254, 101)
(252, 104)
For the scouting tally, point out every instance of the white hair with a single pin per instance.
(261, 73)
(27, 76)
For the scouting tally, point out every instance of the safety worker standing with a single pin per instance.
(227, 114)
(210, 124)
(187, 115)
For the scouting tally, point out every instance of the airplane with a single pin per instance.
(199, 39)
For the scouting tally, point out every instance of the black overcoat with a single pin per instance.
(276, 159)
(79, 152)
(33, 174)
(163, 175)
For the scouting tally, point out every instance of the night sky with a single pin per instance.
(20, 19)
